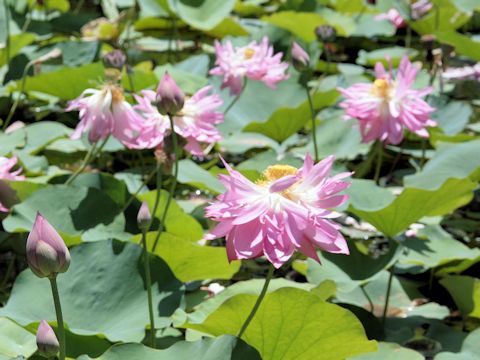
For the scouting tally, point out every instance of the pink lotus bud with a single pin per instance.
(47, 254)
(144, 217)
(47, 341)
(170, 98)
(299, 56)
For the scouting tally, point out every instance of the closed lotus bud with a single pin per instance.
(47, 254)
(170, 98)
(115, 59)
(325, 33)
(144, 217)
(47, 341)
(300, 57)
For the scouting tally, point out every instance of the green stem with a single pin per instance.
(91, 155)
(7, 32)
(145, 182)
(424, 150)
(158, 194)
(234, 101)
(258, 302)
(84, 164)
(387, 296)
(148, 279)
(328, 57)
(173, 185)
(369, 299)
(379, 162)
(314, 132)
(17, 100)
(58, 311)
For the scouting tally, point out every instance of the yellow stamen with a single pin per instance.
(248, 53)
(276, 172)
(381, 88)
(117, 94)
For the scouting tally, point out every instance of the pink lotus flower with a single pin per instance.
(392, 15)
(255, 61)
(6, 173)
(388, 105)
(105, 112)
(287, 210)
(47, 254)
(300, 57)
(195, 122)
(462, 73)
(170, 98)
(47, 341)
(418, 9)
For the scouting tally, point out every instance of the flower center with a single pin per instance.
(117, 95)
(248, 53)
(381, 88)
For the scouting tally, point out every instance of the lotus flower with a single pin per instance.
(169, 98)
(105, 112)
(195, 122)
(417, 10)
(393, 15)
(463, 73)
(47, 254)
(6, 173)
(384, 107)
(255, 61)
(287, 210)
(47, 341)
(299, 56)
(143, 216)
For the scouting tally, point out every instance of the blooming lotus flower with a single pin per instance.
(384, 107)
(255, 61)
(47, 341)
(105, 112)
(6, 173)
(195, 121)
(47, 254)
(287, 210)
(170, 98)
(299, 56)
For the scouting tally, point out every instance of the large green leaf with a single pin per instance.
(202, 14)
(76, 212)
(194, 175)
(15, 340)
(66, 83)
(445, 16)
(463, 44)
(393, 54)
(17, 43)
(187, 259)
(291, 324)
(290, 20)
(103, 292)
(470, 349)
(465, 290)
(457, 161)
(223, 347)
(390, 351)
(433, 247)
(285, 122)
(411, 205)
(177, 222)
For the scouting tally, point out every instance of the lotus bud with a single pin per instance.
(325, 33)
(115, 59)
(300, 57)
(144, 217)
(47, 341)
(170, 98)
(47, 254)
